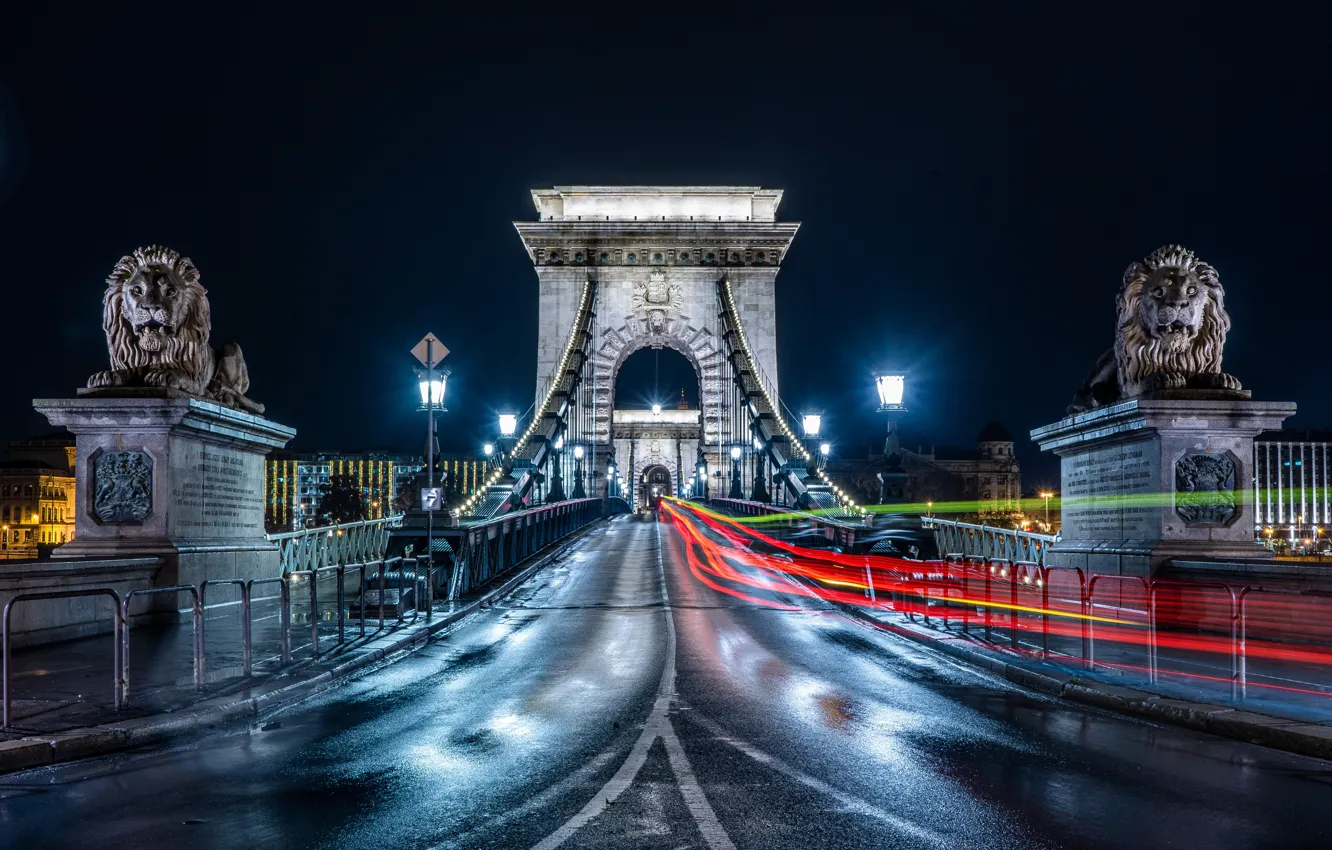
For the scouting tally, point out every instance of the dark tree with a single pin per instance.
(342, 500)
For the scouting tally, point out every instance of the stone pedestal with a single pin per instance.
(1149, 480)
(160, 473)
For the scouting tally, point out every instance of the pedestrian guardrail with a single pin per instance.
(330, 545)
(988, 541)
(489, 548)
(117, 625)
(996, 595)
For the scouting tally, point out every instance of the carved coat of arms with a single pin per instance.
(122, 486)
(1205, 489)
(656, 301)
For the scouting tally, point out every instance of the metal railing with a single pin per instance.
(988, 542)
(117, 626)
(330, 545)
(489, 548)
(956, 587)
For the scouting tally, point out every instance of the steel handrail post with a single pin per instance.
(314, 611)
(245, 617)
(1244, 643)
(196, 620)
(284, 619)
(1013, 601)
(383, 565)
(117, 627)
(989, 610)
(1045, 610)
(342, 600)
(362, 584)
(1151, 633)
(1234, 644)
(198, 639)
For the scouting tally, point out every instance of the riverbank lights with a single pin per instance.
(578, 452)
(735, 452)
(892, 388)
(811, 423)
(488, 449)
(508, 424)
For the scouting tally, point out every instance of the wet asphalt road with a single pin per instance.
(704, 720)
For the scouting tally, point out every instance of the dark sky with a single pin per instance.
(971, 188)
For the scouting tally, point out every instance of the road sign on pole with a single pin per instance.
(430, 351)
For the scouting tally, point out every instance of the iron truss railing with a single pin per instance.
(757, 405)
(332, 545)
(536, 461)
(988, 542)
(488, 548)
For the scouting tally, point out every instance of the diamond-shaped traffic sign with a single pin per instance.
(428, 349)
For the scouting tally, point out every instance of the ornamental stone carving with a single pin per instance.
(122, 485)
(157, 323)
(1170, 332)
(656, 301)
(1205, 489)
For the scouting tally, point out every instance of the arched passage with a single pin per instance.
(656, 482)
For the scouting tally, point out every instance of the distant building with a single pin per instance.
(37, 496)
(1291, 487)
(986, 479)
(296, 483)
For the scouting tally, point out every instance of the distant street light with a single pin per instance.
(811, 423)
(488, 449)
(431, 382)
(656, 410)
(1046, 495)
(578, 491)
(508, 424)
(737, 489)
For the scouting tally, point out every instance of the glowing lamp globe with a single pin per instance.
(735, 452)
(508, 424)
(892, 388)
(812, 422)
(578, 452)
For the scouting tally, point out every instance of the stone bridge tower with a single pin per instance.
(657, 253)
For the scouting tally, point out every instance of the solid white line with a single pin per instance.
(658, 726)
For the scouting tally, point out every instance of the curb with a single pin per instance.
(74, 744)
(1294, 736)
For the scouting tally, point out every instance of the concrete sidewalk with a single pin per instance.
(62, 693)
(1292, 728)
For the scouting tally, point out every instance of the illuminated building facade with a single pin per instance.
(296, 483)
(1293, 506)
(37, 497)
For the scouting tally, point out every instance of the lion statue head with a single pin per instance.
(155, 314)
(1172, 325)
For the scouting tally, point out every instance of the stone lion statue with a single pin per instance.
(1170, 332)
(155, 314)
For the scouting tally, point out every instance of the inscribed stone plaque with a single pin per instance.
(1107, 493)
(217, 491)
(1205, 489)
(122, 486)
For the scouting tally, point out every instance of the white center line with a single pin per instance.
(658, 726)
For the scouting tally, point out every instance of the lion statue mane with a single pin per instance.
(1170, 332)
(155, 314)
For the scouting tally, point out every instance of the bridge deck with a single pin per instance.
(615, 700)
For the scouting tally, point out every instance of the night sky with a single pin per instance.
(970, 189)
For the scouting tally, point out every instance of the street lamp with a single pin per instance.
(431, 382)
(578, 491)
(811, 422)
(656, 410)
(508, 426)
(760, 491)
(891, 386)
(702, 473)
(611, 480)
(1046, 495)
(825, 449)
(737, 490)
(488, 449)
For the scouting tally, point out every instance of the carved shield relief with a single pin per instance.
(122, 486)
(1205, 489)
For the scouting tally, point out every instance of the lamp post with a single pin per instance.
(825, 449)
(578, 491)
(431, 382)
(737, 489)
(508, 426)
(1046, 495)
(702, 473)
(611, 481)
(760, 491)
(811, 422)
(556, 491)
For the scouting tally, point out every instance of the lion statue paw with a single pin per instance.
(1164, 381)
